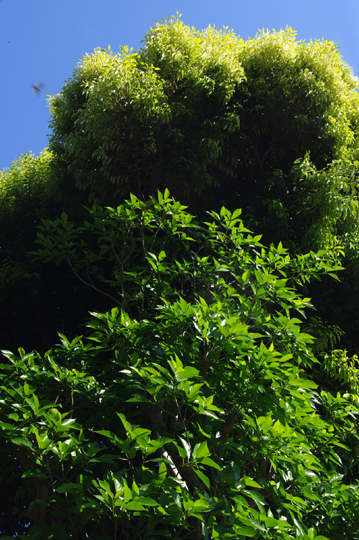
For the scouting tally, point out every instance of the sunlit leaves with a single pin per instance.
(187, 407)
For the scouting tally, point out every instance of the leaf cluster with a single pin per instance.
(186, 411)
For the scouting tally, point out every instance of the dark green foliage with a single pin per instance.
(36, 299)
(268, 125)
(186, 412)
(23, 203)
(197, 404)
(209, 116)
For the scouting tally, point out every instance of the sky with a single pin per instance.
(43, 40)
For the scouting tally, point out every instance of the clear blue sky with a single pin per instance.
(43, 40)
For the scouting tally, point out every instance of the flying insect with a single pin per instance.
(38, 87)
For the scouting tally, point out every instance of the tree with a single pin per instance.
(24, 201)
(132, 122)
(195, 111)
(186, 411)
(36, 299)
(196, 404)
(268, 125)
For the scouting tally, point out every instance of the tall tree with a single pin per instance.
(199, 338)
(195, 110)
(269, 125)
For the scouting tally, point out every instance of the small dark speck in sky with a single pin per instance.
(37, 88)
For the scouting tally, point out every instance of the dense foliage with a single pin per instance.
(24, 201)
(203, 396)
(195, 111)
(185, 412)
(268, 125)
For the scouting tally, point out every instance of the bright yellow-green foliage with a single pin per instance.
(110, 115)
(194, 108)
(339, 367)
(325, 207)
(25, 181)
(104, 86)
(208, 58)
(313, 72)
(111, 80)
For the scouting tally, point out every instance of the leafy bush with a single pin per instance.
(186, 411)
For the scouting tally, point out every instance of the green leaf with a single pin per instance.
(208, 461)
(146, 501)
(201, 450)
(265, 423)
(186, 447)
(256, 496)
(70, 487)
(22, 441)
(302, 383)
(201, 505)
(246, 531)
(133, 505)
(126, 424)
(35, 505)
(188, 372)
(203, 477)
(256, 523)
(252, 483)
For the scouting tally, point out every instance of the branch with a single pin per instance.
(90, 284)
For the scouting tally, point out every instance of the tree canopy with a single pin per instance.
(268, 125)
(187, 410)
(166, 372)
(194, 111)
